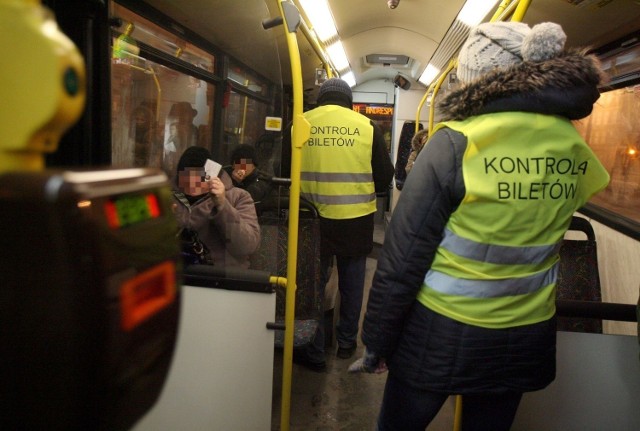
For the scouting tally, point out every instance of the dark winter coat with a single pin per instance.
(232, 232)
(349, 237)
(258, 184)
(423, 348)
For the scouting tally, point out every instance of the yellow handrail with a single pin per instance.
(523, 6)
(317, 48)
(421, 104)
(300, 133)
(152, 72)
(452, 64)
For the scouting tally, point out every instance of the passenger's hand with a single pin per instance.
(217, 191)
(369, 363)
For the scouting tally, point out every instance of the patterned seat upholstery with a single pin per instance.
(578, 277)
(272, 257)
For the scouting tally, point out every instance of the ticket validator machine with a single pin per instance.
(89, 297)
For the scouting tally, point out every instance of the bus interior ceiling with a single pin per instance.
(370, 27)
(420, 31)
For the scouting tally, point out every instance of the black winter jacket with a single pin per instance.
(423, 348)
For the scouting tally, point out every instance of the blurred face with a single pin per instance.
(243, 167)
(192, 181)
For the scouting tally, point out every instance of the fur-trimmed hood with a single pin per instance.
(566, 85)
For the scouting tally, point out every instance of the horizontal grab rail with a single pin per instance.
(221, 277)
(596, 310)
(280, 181)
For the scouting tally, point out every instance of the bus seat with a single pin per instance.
(404, 149)
(578, 277)
(272, 257)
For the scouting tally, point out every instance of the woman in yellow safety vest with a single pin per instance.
(463, 298)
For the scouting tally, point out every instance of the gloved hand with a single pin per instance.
(368, 363)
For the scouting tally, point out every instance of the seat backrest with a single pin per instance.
(272, 255)
(578, 277)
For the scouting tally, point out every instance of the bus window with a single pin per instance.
(157, 111)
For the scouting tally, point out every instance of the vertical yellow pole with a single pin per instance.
(523, 6)
(300, 134)
(432, 109)
(243, 124)
(421, 104)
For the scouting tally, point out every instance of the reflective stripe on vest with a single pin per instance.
(493, 253)
(449, 285)
(336, 173)
(525, 175)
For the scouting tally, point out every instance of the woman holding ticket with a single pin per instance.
(223, 216)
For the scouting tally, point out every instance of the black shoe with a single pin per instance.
(302, 359)
(345, 352)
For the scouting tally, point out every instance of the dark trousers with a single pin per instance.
(408, 409)
(351, 273)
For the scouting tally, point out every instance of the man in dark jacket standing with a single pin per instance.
(344, 163)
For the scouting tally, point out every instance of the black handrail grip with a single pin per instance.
(596, 310)
(227, 273)
(268, 23)
(275, 326)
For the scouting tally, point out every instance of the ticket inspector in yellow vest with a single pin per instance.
(492, 269)
(342, 139)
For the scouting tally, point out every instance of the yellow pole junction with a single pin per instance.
(43, 85)
(505, 9)
(300, 134)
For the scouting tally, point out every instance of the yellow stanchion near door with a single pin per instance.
(301, 132)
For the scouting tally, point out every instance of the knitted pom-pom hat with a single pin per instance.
(498, 45)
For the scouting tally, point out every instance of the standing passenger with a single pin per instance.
(463, 298)
(344, 164)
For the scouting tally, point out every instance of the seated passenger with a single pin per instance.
(223, 216)
(245, 173)
(417, 143)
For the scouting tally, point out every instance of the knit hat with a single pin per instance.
(193, 157)
(499, 45)
(244, 151)
(335, 85)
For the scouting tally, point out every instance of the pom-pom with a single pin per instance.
(545, 41)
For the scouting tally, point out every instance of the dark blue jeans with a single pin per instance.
(408, 409)
(351, 272)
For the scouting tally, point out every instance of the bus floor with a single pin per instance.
(336, 400)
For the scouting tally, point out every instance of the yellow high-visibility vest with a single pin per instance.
(525, 175)
(335, 172)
